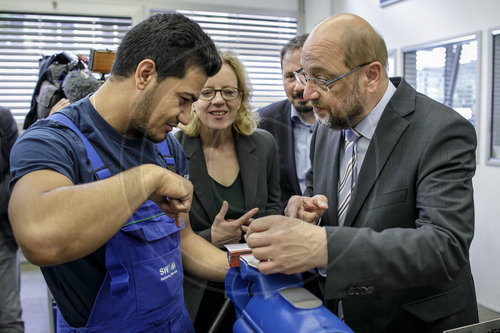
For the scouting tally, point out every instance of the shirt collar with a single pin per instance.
(367, 126)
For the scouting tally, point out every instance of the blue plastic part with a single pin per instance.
(260, 307)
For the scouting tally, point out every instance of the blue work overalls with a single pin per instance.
(142, 289)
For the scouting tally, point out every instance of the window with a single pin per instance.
(446, 72)
(257, 40)
(494, 153)
(25, 38)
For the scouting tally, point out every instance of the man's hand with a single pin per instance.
(173, 193)
(229, 232)
(287, 245)
(307, 209)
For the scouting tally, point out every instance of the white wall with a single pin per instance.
(414, 22)
(403, 24)
(315, 11)
(139, 9)
(130, 8)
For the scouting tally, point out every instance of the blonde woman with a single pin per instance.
(234, 169)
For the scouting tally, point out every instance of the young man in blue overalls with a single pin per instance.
(93, 201)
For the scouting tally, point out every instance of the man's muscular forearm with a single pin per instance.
(55, 221)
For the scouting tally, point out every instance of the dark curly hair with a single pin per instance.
(173, 41)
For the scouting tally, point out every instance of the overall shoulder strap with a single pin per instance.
(167, 156)
(119, 277)
(99, 169)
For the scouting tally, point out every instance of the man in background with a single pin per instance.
(10, 278)
(291, 122)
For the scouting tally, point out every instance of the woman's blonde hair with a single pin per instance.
(245, 121)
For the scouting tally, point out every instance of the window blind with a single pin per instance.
(495, 103)
(25, 38)
(257, 41)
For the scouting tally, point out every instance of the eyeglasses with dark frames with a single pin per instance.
(229, 94)
(302, 77)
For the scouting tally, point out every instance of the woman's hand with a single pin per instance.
(229, 231)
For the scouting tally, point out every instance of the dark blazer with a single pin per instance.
(260, 179)
(400, 263)
(276, 119)
(8, 136)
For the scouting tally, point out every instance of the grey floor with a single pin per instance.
(34, 299)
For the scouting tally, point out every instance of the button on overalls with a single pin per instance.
(142, 289)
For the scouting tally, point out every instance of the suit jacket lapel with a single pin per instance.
(249, 168)
(198, 174)
(337, 141)
(326, 145)
(290, 149)
(387, 134)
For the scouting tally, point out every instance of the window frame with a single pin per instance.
(490, 159)
(476, 35)
(392, 54)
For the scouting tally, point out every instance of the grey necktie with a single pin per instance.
(348, 180)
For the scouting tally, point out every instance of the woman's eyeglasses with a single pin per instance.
(229, 94)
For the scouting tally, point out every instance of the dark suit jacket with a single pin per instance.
(275, 118)
(259, 175)
(400, 263)
(8, 136)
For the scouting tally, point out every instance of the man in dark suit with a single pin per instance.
(10, 274)
(291, 122)
(394, 252)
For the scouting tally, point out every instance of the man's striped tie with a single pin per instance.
(346, 185)
(348, 180)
